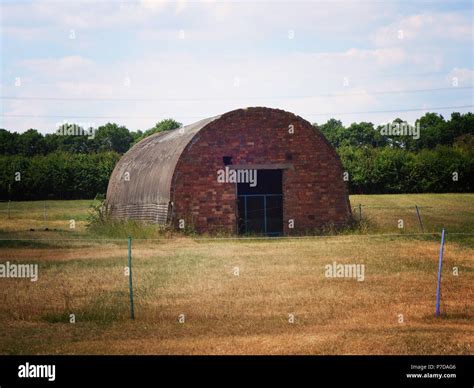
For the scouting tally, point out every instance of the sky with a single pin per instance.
(138, 62)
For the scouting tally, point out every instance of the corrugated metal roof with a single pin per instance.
(149, 185)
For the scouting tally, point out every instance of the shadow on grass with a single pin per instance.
(104, 309)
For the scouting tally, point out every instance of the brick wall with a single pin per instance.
(313, 189)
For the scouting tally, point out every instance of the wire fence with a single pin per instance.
(141, 295)
(370, 219)
(216, 281)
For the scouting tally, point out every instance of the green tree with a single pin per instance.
(112, 137)
(333, 130)
(357, 134)
(163, 125)
(431, 130)
(9, 142)
(363, 134)
(31, 143)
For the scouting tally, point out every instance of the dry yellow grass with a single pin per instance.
(245, 314)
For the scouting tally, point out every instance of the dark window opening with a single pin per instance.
(268, 182)
(227, 160)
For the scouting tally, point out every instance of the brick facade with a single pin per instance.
(314, 193)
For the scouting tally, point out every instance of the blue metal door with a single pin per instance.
(260, 208)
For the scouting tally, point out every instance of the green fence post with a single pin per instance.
(132, 312)
(440, 266)
(419, 219)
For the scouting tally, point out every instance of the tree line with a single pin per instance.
(72, 163)
(432, 155)
(72, 138)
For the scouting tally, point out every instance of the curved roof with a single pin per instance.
(148, 184)
(146, 194)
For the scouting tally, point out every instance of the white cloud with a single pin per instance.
(192, 87)
(85, 14)
(240, 17)
(384, 56)
(58, 67)
(461, 77)
(424, 28)
(24, 33)
(333, 40)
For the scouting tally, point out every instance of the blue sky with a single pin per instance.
(137, 62)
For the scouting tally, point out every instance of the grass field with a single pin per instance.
(238, 296)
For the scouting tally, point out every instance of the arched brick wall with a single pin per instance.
(314, 193)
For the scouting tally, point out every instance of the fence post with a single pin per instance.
(132, 312)
(9, 201)
(440, 266)
(419, 219)
(45, 214)
(360, 212)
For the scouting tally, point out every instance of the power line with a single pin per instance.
(358, 76)
(176, 99)
(197, 117)
(391, 111)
